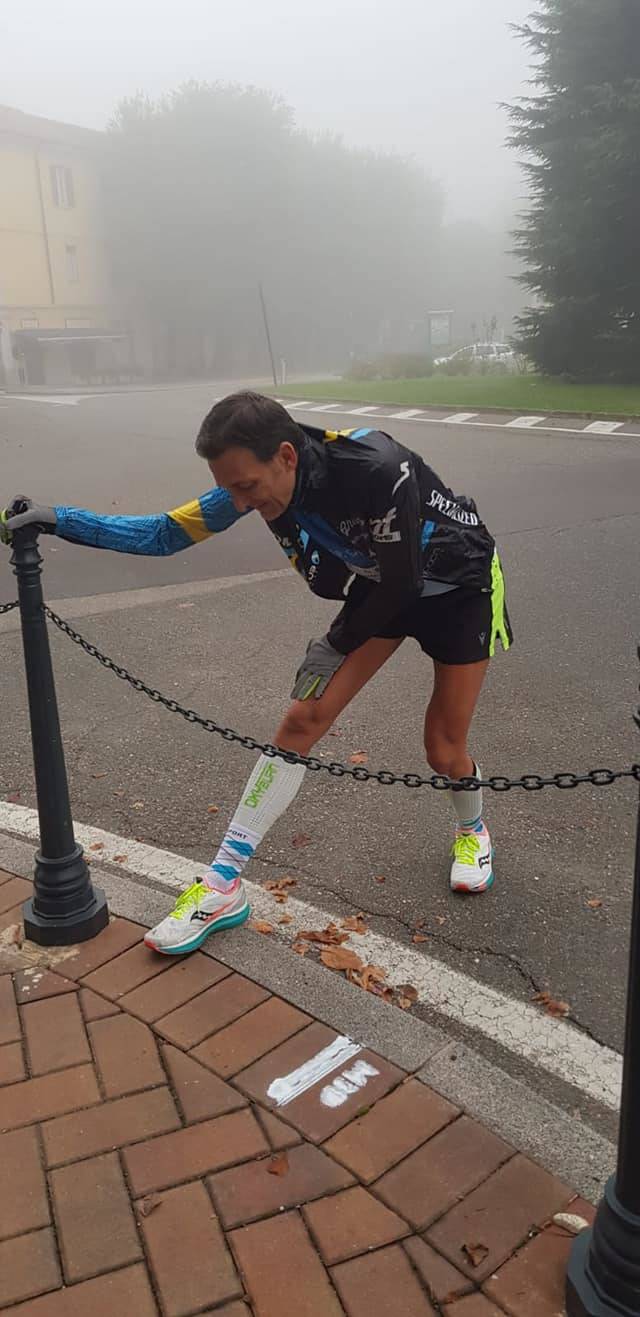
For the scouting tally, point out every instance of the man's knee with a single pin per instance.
(306, 718)
(443, 753)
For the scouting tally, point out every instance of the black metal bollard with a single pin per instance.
(65, 907)
(603, 1277)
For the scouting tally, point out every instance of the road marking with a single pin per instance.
(405, 416)
(603, 427)
(349, 1082)
(331, 407)
(307, 402)
(61, 400)
(363, 411)
(458, 418)
(288, 1087)
(525, 422)
(553, 1045)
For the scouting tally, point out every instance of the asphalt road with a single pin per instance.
(565, 512)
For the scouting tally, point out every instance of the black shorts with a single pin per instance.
(461, 626)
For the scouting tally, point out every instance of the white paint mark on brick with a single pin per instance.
(287, 1087)
(345, 1085)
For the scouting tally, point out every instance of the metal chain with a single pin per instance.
(7, 608)
(597, 777)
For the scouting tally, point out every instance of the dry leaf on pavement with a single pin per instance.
(419, 937)
(97, 846)
(300, 948)
(355, 924)
(213, 809)
(148, 1205)
(595, 903)
(340, 958)
(261, 926)
(359, 757)
(300, 839)
(120, 859)
(285, 919)
(379, 878)
(330, 935)
(556, 1008)
(408, 993)
(278, 1165)
(476, 1253)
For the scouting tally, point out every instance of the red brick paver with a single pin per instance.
(150, 1168)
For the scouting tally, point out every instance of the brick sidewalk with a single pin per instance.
(144, 1172)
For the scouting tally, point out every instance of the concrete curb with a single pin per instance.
(569, 1148)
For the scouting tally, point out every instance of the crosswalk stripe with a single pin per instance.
(458, 417)
(406, 415)
(603, 427)
(363, 411)
(525, 422)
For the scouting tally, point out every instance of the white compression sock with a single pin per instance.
(468, 805)
(272, 787)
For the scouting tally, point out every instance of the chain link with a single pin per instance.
(597, 777)
(8, 608)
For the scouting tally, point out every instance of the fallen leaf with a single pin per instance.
(330, 935)
(440, 919)
(300, 839)
(558, 1009)
(419, 937)
(407, 990)
(355, 924)
(380, 879)
(13, 798)
(120, 859)
(280, 897)
(17, 935)
(594, 904)
(285, 919)
(404, 1003)
(97, 846)
(340, 958)
(359, 757)
(260, 926)
(98, 775)
(300, 948)
(213, 809)
(138, 804)
(335, 733)
(370, 978)
(278, 1165)
(476, 1253)
(419, 923)
(280, 887)
(148, 1205)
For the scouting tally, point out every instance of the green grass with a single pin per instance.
(522, 393)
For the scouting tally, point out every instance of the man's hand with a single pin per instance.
(318, 666)
(24, 512)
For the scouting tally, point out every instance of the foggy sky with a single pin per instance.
(421, 76)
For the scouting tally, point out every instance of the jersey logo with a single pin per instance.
(404, 467)
(381, 532)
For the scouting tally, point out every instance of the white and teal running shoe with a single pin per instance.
(199, 911)
(472, 868)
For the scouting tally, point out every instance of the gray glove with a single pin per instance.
(316, 670)
(24, 512)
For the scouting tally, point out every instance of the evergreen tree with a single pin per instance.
(580, 239)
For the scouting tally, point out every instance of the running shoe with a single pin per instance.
(199, 911)
(472, 868)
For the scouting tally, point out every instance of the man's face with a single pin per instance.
(266, 486)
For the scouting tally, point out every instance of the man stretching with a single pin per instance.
(366, 521)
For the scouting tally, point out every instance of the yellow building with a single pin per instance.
(58, 318)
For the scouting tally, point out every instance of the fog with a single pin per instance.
(366, 175)
(424, 77)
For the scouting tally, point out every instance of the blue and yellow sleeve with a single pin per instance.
(158, 535)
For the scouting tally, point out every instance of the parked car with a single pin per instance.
(479, 356)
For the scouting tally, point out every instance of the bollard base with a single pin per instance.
(65, 907)
(603, 1277)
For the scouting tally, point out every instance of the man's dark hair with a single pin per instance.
(246, 420)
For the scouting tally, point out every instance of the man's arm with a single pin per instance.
(158, 535)
(394, 524)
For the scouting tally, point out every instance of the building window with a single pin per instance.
(62, 186)
(29, 322)
(71, 254)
